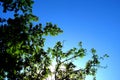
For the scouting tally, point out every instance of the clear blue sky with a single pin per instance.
(94, 22)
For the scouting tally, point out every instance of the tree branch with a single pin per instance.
(70, 58)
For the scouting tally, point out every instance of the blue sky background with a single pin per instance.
(94, 22)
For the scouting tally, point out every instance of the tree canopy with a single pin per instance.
(22, 53)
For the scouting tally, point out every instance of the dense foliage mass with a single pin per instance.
(22, 54)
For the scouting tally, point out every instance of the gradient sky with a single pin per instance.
(94, 22)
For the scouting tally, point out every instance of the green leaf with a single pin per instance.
(93, 51)
(106, 56)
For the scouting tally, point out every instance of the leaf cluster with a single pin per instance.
(17, 5)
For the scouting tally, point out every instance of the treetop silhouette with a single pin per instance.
(22, 54)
